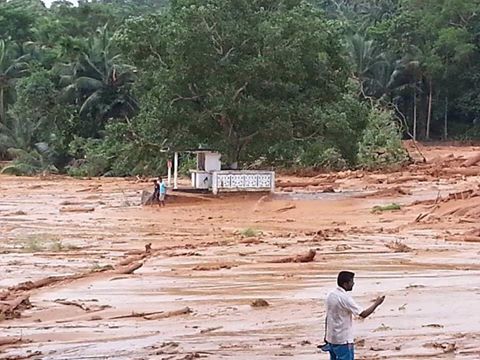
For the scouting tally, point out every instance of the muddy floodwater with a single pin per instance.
(89, 273)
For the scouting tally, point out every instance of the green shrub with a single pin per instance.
(381, 145)
(381, 208)
(319, 156)
(249, 232)
(30, 162)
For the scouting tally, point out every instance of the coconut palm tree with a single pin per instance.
(11, 67)
(99, 83)
(368, 63)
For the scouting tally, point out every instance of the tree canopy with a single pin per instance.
(101, 87)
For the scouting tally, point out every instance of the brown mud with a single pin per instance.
(88, 273)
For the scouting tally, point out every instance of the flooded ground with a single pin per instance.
(73, 252)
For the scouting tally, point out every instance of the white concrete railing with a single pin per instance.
(243, 180)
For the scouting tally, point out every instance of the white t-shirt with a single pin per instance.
(340, 310)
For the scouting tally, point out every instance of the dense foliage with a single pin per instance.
(107, 86)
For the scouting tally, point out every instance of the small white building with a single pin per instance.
(207, 163)
(209, 175)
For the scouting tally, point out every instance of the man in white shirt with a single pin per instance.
(339, 322)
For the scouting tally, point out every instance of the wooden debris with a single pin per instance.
(11, 309)
(156, 315)
(76, 209)
(211, 267)
(72, 303)
(10, 341)
(259, 303)
(304, 258)
(398, 247)
(168, 314)
(286, 208)
(129, 269)
(404, 179)
(474, 160)
(210, 329)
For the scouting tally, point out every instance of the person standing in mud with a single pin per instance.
(339, 319)
(156, 191)
(162, 191)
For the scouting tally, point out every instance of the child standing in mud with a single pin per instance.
(156, 191)
(162, 192)
(339, 319)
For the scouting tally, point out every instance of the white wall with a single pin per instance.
(212, 162)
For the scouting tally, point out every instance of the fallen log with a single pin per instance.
(474, 160)
(210, 329)
(168, 314)
(132, 259)
(129, 269)
(304, 258)
(461, 172)
(76, 209)
(286, 208)
(404, 179)
(155, 315)
(10, 341)
(72, 303)
(33, 354)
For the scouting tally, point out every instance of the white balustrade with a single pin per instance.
(243, 180)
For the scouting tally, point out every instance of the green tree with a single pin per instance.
(238, 75)
(100, 84)
(11, 67)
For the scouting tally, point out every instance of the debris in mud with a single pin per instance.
(445, 347)
(129, 269)
(407, 178)
(474, 160)
(91, 188)
(249, 241)
(382, 327)
(259, 303)
(33, 354)
(304, 258)
(11, 341)
(395, 191)
(76, 209)
(210, 329)
(382, 208)
(16, 213)
(11, 309)
(260, 203)
(82, 305)
(286, 208)
(343, 247)
(398, 247)
(192, 356)
(155, 315)
(169, 314)
(132, 259)
(212, 267)
(437, 326)
(328, 190)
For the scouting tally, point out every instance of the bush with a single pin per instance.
(320, 156)
(381, 145)
(30, 162)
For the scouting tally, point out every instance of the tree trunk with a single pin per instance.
(415, 113)
(445, 129)
(2, 107)
(429, 115)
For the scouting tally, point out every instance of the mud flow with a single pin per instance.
(89, 273)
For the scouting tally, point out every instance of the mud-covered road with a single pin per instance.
(78, 281)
